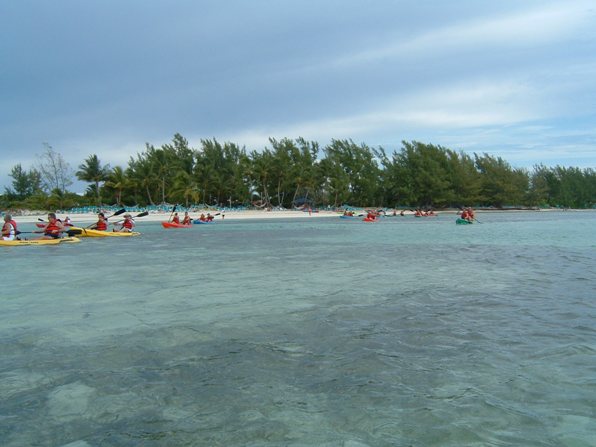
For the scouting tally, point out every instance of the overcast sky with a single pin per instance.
(512, 78)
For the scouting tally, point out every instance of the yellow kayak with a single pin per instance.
(63, 240)
(87, 232)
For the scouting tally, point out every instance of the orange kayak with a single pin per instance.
(174, 225)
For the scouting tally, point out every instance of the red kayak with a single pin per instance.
(369, 219)
(175, 225)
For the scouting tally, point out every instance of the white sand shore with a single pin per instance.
(161, 216)
(155, 216)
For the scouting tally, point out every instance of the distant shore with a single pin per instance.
(156, 216)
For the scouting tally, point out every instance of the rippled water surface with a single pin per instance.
(312, 332)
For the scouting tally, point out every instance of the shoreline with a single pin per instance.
(158, 216)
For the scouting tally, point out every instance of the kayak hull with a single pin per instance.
(87, 232)
(174, 225)
(64, 240)
(461, 221)
(200, 222)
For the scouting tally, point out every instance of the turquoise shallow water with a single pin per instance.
(313, 332)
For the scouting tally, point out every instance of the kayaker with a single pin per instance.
(187, 220)
(128, 224)
(176, 219)
(471, 213)
(53, 229)
(202, 218)
(67, 222)
(101, 224)
(371, 215)
(9, 229)
(209, 217)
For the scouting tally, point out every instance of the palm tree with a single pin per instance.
(93, 172)
(118, 181)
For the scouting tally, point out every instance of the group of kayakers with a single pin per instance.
(125, 225)
(187, 220)
(424, 213)
(467, 214)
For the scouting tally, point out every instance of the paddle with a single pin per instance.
(143, 214)
(78, 231)
(117, 213)
(172, 213)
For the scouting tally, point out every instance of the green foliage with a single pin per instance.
(93, 172)
(290, 173)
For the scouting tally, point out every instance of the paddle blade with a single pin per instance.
(143, 214)
(120, 211)
(74, 232)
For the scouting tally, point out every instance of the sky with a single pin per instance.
(513, 79)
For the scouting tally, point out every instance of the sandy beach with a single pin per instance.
(157, 216)
(161, 216)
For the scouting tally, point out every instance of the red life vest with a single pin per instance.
(176, 220)
(128, 224)
(10, 229)
(101, 225)
(52, 229)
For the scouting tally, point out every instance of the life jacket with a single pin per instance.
(14, 225)
(51, 229)
(101, 225)
(128, 224)
(12, 231)
(176, 220)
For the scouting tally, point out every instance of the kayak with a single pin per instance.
(461, 221)
(64, 240)
(199, 221)
(87, 232)
(174, 225)
(369, 219)
(343, 216)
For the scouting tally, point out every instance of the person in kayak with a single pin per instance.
(202, 218)
(127, 225)
(467, 214)
(176, 219)
(371, 215)
(9, 229)
(101, 224)
(53, 229)
(187, 220)
(209, 217)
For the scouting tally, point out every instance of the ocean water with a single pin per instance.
(310, 332)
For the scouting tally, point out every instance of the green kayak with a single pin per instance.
(461, 221)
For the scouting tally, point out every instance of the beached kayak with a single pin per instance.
(87, 232)
(174, 225)
(199, 221)
(64, 240)
(461, 221)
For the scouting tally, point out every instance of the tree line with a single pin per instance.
(293, 173)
